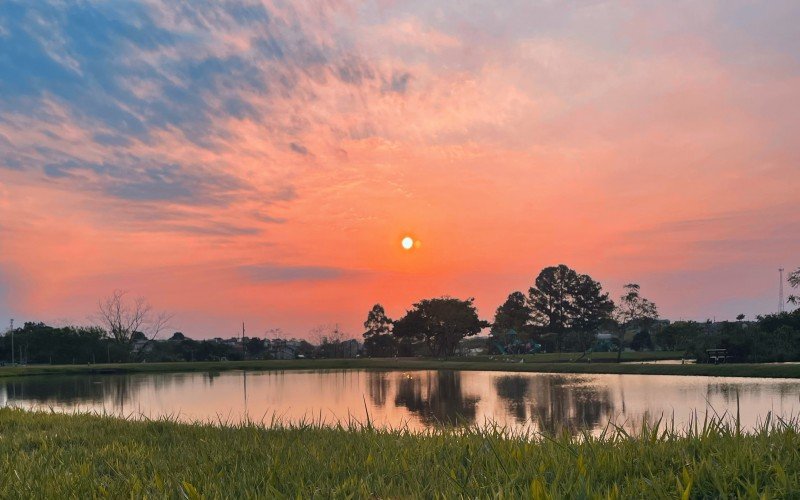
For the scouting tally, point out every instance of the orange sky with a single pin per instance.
(261, 161)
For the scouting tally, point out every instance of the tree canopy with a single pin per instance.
(440, 323)
(633, 310)
(378, 339)
(562, 300)
(794, 282)
(513, 314)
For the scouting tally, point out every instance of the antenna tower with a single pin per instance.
(780, 291)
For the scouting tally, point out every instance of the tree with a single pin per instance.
(440, 323)
(794, 282)
(633, 310)
(121, 318)
(178, 336)
(378, 339)
(331, 341)
(740, 317)
(254, 347)
(642, 341)
(562, 300)
(679, 336)
(551, 298)
(593, 308)
(513, 314)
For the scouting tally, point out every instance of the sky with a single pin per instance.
(262, 161)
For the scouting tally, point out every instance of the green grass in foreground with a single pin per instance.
(84, 456)
(549, 363)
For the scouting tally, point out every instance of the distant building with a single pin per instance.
(282, 348)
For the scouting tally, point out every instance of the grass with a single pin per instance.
(549, 363)
(86, 456)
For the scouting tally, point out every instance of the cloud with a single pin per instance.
(128, 180)
(280, 273)
(398, 83)
(298, 148)
(177, 184)
(210, 228)
(269, 218)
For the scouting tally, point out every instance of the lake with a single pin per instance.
(415, 399)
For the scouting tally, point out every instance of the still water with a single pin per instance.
(417, 399)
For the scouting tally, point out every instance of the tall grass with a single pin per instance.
(59, 456)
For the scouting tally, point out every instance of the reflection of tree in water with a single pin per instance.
(55, 390)
(437, 398)
(210, 376)
(119, 391)
(730, 391)
(565, 404)
(512, 390)
(378, 386)
(69, 390)
(557, 403)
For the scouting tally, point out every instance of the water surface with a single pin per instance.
(416, 399)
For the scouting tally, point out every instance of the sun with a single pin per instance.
(407, 242)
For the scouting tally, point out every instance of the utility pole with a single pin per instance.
(12, 342)
(243, 349)
(780, 291)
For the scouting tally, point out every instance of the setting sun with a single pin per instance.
(408, 242)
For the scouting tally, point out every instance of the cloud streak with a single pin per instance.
(273, 273)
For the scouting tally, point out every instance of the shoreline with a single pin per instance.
(629, 367)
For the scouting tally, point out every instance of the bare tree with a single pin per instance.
(330, 340)
(122, 317)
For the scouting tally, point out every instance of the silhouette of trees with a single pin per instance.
(678, 335)
(562, 300)
(593, 307)
(40, 343)
(642, 341)
(513, 314)
(378, 339)
(551, 298)
(254, 347)
(440, 324)
(178, 336)
(633, 310)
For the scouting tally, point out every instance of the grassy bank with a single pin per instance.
(535, 363)
(83, 456)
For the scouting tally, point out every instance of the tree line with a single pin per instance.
(564, 310)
